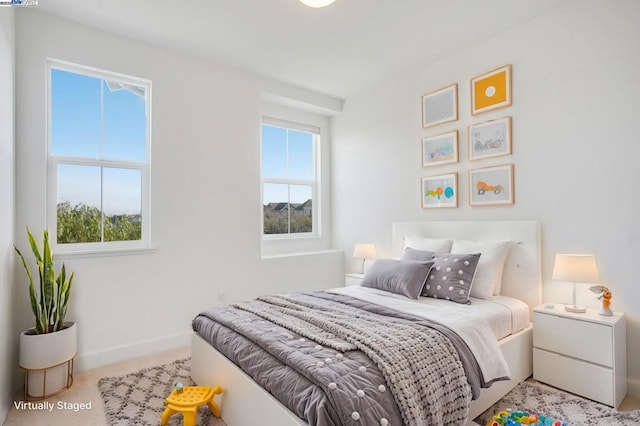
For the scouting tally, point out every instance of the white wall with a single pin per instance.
(576, 145)
(205, 195)
(7, 337)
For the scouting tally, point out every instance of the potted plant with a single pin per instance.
(47, 350)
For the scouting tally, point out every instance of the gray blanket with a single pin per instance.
(414, 371)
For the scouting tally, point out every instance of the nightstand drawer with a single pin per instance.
(579, 339)
(582, 378)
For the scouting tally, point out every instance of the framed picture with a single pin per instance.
(490, 139)
(440, 149)
(491, 186)
(440, 191)
(491, 90)
(440, 106)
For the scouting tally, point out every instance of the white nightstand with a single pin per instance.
(353, 279)
(585, 354)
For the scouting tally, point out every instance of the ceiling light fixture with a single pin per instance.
(317, 3)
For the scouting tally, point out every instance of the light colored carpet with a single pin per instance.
(138, 398)
(85, 389)
(538, 398)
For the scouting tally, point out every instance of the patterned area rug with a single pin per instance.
(538, 398)
(138, 398)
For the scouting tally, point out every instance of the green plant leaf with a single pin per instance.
(49, 306)
(33, 295)
(34, 246)
(49, 282)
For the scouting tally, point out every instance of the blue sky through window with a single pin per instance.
(79, 184)
(92, 118)
(75, 114)
(122, 191)
(125, 133)
(286, 154)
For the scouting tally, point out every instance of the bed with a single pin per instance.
(246, 403)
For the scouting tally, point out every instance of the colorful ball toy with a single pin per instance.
(515, 418)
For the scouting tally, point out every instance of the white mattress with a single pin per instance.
(504, 315)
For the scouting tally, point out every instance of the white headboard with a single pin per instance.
(522, 271)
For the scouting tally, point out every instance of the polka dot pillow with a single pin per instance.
(451, 277)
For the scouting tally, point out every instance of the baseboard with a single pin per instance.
(123, 353)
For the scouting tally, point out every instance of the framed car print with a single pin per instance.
(491, 186)
(490, 139)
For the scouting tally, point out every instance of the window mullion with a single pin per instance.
(101, 119)
(101, 204)
(79, 161)
(289, 209)
(289, 181)
(286, 153)
(101, 158)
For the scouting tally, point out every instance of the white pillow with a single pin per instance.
(428, 244)
(488, 278)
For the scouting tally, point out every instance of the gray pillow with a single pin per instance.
(451, 277)
(398, 276)
(419, 255)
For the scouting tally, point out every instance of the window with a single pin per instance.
(289, 179)
(98, 166)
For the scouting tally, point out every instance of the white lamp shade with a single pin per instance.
(364, 251)
(577, 268)
(317, 3)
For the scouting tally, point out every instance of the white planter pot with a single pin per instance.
(49, 351)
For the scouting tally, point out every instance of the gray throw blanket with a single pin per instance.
(421, 366)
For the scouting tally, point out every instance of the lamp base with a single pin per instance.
(575, 309)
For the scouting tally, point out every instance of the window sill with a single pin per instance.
(307, 253)
(79, 254)
(289, 237)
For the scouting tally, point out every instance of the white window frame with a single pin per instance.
(314, 183)
(103, 247)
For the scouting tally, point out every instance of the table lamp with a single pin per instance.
(364, 251)
(577, 268)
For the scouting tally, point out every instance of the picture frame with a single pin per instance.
(439, 191)
(440, 149)
(491, 90)
(491, 186)
(440, 106)
(489, 139)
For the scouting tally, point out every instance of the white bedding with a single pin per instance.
(480, 324)
(506, 315)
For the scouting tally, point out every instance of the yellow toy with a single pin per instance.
(187, 399)
(605, 296)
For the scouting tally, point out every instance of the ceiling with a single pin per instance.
(337, 50)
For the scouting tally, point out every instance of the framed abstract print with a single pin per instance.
(491, 90)
(440, 106)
